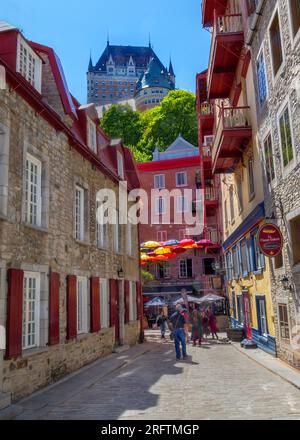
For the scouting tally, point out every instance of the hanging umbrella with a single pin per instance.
(187, 243)
(171, 243)
(162, 251)
(160, 258)
(179, 250)
(210, 298)
(156, 302)
(190, 298)
(170, 255)
(204, 243)
(150, 245)
(145, 257)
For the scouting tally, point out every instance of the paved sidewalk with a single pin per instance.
(146, 382)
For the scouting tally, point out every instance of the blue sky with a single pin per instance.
(73, 28)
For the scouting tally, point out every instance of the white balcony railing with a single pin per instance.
(211, 194)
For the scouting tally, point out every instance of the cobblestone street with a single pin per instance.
(146, 382)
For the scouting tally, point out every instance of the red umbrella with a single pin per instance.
(179, 250)
(186, 242)
(204, 243)
(171, 255)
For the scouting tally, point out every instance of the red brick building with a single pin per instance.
(180, 168)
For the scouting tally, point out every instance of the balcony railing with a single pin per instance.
(230, 118)
(207, 109)
(211, 194)
(206, 151)
(223, 25)
(214, 235)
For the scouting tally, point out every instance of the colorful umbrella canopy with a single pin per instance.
(150, 245)
(162, 251)
(171, 243)
(144, 257)
(179, 250)
(204, 243)
(159, 258)
(187, 243)
(171, 255)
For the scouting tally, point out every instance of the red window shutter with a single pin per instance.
(139, 304)
(95, 305)
(113, 302)
(54, 308)
(126, 299)
(14, 313)
(71, 307)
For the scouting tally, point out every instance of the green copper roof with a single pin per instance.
(155, 76)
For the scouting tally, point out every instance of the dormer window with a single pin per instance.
(91, 135)
(29, 64)
(120, 165)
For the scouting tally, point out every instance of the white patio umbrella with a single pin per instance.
(190, 299)
(156, 302)
(211, 298)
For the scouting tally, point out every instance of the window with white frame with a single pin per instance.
(286, 136)
(79, 213)
(117, 233)
(244, 258)
(284, 325)
(102, 228)
(181, 179)
(82, 305)
(262, 316)
(163, 270)
(132, 301)
(104, 303)
(269, 159)
(251, 185)
(120, 165)
(162, 236)
(182, 204)
(160, 205)
(130, 238)
(295, 16)
(92, 135)
(276, 44)
(29, 64)
(159, 181)
(31, 310)
(261, 78)
(33, 191)
(186, 268)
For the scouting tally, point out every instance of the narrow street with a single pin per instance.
(146, 382)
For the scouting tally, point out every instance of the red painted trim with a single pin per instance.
(95, 305)
(169, 164)
(127, 305)
(54, 285)
(71, 307)
(14, 313)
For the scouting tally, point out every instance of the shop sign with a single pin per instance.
(270, 240)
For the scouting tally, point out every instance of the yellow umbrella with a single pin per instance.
(145, 257)
(162, 251)
(150, 245)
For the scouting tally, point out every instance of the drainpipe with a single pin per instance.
(254, 23)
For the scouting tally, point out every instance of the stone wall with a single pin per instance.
(53, 246)
(282, 197)
(132, 333)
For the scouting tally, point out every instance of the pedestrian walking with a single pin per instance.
(161, 322)
(212, 320)
(178, 321)
(205, 324)
(197, 328)
(186, 325)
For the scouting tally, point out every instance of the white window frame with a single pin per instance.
(289, 167)
(37, 80)
(79, 213)
(263, 317)
(277, 75)
(186, 268)
(183, 173)
(37, 277)
(158, 205)
(82, 305)
(91, 135)
(31, 160)
(161, 178)
(102, 230)
(182, 204)
(160, 237)
(132, 301)
(104, 303)
(117, 233)
(130, 239)
(120, 160)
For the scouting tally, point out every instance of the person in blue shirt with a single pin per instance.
(178, 321)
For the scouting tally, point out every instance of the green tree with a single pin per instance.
(120, 121)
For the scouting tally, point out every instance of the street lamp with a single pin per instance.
(121, 272)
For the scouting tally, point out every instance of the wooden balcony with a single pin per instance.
(207, 116)
(208, 7)
(226, 47)
(233, 133)
(211, 195)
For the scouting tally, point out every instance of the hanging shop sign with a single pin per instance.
(270, 240)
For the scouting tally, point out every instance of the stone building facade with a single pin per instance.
(69, 286)
(275, 48)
